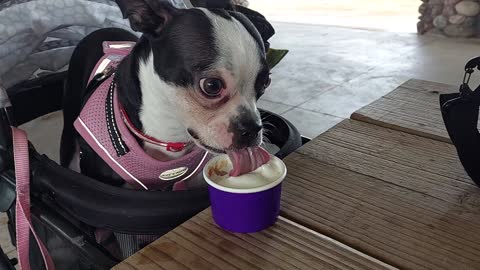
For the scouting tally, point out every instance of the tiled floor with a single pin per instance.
(329, 73)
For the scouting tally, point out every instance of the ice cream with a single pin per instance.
(220, 173)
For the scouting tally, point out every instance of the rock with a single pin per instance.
(468, 8)
(423, 27)
(453, 30)
(436, 10)
(451, 2)
(449, 11)
(436, 31)
(457, 19)
(469, 21)
(423, 7)
(435, 2)
(429, 26)
(440, 22)
(420, 28)
(426, 17)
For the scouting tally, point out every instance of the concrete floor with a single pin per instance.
(329, 73)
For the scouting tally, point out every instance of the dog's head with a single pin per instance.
(210, 64)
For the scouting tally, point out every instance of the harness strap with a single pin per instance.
(22, 206)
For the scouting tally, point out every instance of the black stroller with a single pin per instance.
(69, 209)
(86, 224)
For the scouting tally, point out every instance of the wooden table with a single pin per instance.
(413, 107)
(382, 190)
(200, 244)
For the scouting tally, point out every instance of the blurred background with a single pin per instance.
(391, 15)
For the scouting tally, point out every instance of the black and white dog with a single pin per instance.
(194, 76)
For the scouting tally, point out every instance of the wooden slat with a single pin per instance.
(413, 108)
(200, 244)
(399, 197)
(415, 162)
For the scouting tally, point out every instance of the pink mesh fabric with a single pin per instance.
(135, 167)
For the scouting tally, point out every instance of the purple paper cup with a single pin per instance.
(244, 210)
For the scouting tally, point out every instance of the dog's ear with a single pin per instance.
(265, 29)
(147, 16)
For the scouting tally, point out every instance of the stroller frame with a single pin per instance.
(65, 204)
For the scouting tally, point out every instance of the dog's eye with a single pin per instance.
(212, 87)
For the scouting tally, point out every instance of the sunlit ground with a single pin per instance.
(388, 15)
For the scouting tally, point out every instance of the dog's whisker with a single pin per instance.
(269, 127)
(266, 117)
(267, 132)
(266, 122)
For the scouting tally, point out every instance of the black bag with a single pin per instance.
(460, 115)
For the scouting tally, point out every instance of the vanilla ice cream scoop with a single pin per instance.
(219, 172)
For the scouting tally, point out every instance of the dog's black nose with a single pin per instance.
(250, 130)
(246, 128)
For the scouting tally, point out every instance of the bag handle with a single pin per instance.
(465, 90)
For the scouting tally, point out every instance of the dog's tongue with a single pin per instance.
(247, 160)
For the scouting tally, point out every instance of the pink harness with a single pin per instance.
(102, 126)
